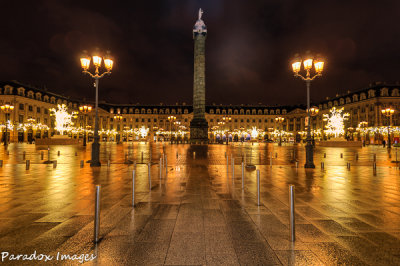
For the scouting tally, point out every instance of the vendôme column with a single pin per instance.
(199, 124)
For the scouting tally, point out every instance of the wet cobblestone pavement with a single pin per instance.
(197, 213)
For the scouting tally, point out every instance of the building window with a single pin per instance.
(45, 121)
(149, 120)
(38, 110)
(241, 120)
(211, 120)
(30, 108)
(21, 119)
(21, 106)
(124, 120)
(155, 119)
(137, 119)
(46, 111)
(142, 119)
(111, 119)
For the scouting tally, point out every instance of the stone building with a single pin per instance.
(32, 109)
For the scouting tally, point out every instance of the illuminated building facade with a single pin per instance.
(31, 116)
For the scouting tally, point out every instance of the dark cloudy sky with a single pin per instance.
(248, 50)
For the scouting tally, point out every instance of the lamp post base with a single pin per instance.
(95, 154)
(309, 156)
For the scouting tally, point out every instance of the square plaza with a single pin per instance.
(197, 212)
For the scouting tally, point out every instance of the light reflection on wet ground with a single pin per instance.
(198, 213)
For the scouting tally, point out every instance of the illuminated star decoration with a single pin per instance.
(335, 121)
(254, 133)
(63, 118)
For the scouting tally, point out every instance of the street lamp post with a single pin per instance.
(313, 112)
(280, 120)
(85, 63)
(118, 119)
(319, 66)
(388, 112)
(171, 118)
(363, 124)
(227, 119)
(85, 109)
(6, 108)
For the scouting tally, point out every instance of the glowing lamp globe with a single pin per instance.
(296, 67)
(308, 63)
(96, 60)
(319, 66)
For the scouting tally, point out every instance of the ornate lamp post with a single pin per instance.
(221, 127)
(363, 124)
(313, 112)
(227, 119)
(6, 108)
(171, 118)
(85, 109)
(388, 112)
(108, 64)
(280, 120)
(319, 66)
(118, 119)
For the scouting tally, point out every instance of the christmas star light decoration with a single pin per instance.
(335, 120)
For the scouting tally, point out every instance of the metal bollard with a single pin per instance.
(258, 187)
(149, 166)
(194, 155)
(166, 166)
(1, 163)
(134, 165)
(225, 154)
(176, 155)
(356, 156)
(297, 164)
(76, 153)
(133, 188)
(322, 165)
(348, 166)
(276, 155)
(208, 154)
(23, 155)
(108, 163)
(41, 155)
(374, 157)
(142, 157)
(291, 214)
(54, 163)
(97, 214)
(324, 155)
(82, 163)
(58, 153)
(341, 155)
(160, 165)
(233, 167)
(374, 165)
(242, 175)
(227, 164)
(8, 152)
(28, 163)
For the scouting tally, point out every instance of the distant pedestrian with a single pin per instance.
(384, 143)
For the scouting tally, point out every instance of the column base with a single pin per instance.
(199, 131)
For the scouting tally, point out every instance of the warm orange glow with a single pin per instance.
(108, 64)
(319, 66)
(308, 63)
(296, 67)
(96, 61)
(85, 63)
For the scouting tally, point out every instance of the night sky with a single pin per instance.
(248, 51)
